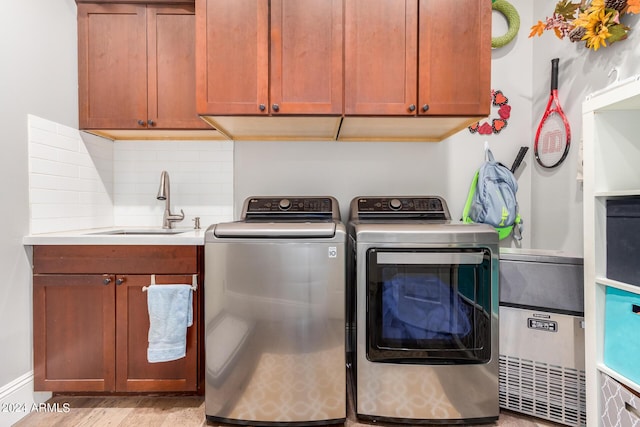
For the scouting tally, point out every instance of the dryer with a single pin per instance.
(422, 313)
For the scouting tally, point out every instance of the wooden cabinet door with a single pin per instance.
(133, 372)
(74, 333)
(112, 66)
(171, 46)
(455, 57)
(306, 57)
(232, 57)
(381, 57)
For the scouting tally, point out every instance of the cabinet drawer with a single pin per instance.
(622, 332)
(621, 406)
(124, 259)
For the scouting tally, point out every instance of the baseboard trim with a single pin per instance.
(17, 399)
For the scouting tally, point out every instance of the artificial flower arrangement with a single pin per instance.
(596, 22)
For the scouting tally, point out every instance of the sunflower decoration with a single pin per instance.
(596, 22)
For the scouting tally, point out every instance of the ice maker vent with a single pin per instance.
(541, 390)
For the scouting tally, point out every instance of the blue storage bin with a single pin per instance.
(622, 333)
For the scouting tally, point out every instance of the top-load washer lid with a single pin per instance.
(399, 208)
(284, 217)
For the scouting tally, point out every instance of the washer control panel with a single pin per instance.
(289, 204)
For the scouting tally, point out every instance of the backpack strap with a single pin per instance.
(467, 206)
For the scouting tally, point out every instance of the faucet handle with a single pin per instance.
(196, 226)
(174, 217)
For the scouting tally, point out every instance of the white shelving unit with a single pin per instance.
(611, 138)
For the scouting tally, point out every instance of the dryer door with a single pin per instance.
(429, 306)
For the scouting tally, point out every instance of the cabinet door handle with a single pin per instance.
(106, 280)
(142, 123)
(119, 281)
(412, 108)
(262, 107)
(275, 107)
(425, 107)
(151, 122)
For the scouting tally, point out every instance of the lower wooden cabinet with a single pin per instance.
(90, 328)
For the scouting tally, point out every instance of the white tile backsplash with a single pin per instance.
(78, 180)
(69, 187)
(200, 174)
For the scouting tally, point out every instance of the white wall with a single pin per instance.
(557, 196)
(38, 75)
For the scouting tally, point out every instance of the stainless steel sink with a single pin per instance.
(147, 232)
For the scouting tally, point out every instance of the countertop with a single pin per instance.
(540, 254)
(101, 236)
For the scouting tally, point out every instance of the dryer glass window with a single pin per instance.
(429, 306)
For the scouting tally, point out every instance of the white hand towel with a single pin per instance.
(170, 313)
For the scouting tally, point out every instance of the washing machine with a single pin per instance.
(422, 313)
(275, 314)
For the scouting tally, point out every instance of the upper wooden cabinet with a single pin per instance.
(415, 58)
(306, 57)
(269, 58)
(410, 57)
(260, 57)
(381, 53)
(454, 58)
(284, 69)
(137, 69)
(232, 58)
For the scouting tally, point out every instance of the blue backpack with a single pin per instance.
(492, 199)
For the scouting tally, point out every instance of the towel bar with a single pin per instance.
(194, 283)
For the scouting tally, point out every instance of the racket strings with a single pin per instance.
(552, 142)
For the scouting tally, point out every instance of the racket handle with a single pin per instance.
(554, 73)
(519, 158)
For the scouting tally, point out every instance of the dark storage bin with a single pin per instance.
(623, 240)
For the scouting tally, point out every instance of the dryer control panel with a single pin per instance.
(433, 207)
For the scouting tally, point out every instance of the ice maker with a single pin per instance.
(542, 335)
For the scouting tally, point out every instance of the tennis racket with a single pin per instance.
(553, 137)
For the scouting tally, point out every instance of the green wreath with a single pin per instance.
(513, 20)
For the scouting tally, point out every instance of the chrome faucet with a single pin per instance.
(164, 194)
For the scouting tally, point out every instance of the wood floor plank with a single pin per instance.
(181, 411)
(169, 412)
